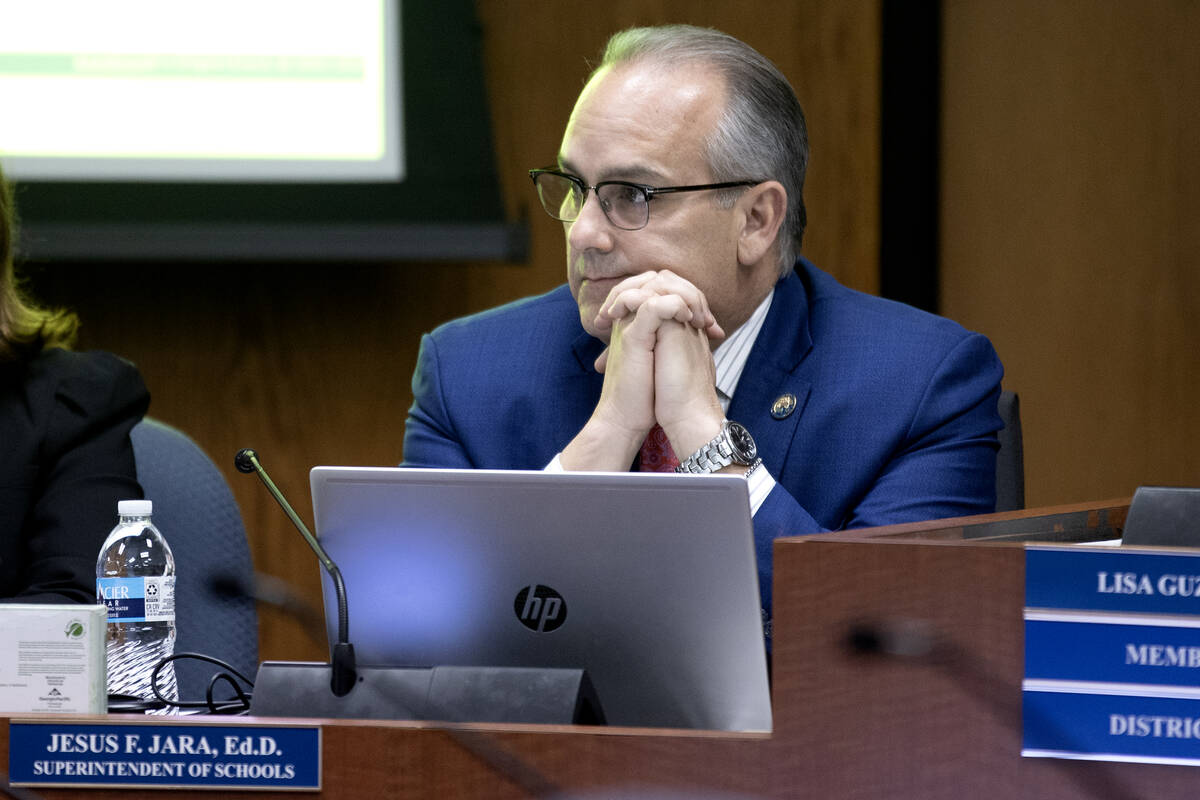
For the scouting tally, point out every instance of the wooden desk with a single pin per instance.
(847, 725)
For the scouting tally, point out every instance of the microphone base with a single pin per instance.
(551, 696)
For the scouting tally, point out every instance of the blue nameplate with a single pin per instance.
(1112, 655)
(1108, 727)
(1112, 649)
(165, 755)
(1112, 579)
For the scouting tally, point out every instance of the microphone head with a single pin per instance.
(244, 460)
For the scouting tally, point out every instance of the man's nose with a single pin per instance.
(591, 230)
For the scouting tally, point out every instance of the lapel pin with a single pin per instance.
(783, 406)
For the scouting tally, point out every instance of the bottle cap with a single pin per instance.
(134, 508)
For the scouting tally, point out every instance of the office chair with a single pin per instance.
(198, 516)
(1010, 460)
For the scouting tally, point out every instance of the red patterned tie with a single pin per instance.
(656, 454)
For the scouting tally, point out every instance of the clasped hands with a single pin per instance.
(658, 367)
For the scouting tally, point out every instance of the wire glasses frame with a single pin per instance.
(625, 204)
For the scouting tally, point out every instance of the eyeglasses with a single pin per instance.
(625, 204)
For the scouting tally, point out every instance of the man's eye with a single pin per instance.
(626, 195)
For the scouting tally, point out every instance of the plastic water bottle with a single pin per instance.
(135, 578)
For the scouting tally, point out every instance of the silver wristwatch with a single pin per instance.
(733, 445)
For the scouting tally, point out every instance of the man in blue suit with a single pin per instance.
(690, 326)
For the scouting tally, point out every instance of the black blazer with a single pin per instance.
(65, 461)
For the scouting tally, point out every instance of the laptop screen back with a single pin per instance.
(647, 581)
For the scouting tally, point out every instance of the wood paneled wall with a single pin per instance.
(1070, 232)
(1071, 229)
(311, 364)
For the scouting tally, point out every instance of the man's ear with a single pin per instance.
(760, 212)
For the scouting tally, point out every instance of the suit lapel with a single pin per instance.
(575, 398)
(587, 349)
(771, 384)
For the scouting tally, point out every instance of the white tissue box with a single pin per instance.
(52, 659)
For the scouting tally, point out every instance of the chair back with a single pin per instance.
(1010, 460)
(199, 517)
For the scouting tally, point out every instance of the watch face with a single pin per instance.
(744, 449)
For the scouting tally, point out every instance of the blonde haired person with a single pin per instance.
(65, 453)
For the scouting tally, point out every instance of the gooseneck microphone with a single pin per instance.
(344, 671)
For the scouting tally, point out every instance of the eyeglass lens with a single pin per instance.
(625, 206)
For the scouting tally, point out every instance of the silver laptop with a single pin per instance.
(648, 581)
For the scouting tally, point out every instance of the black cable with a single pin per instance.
(243, 698)
(126, 704)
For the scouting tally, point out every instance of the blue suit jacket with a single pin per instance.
(895, 417)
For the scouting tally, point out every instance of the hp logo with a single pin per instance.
(540, 608)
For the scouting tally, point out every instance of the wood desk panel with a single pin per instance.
(931, 725)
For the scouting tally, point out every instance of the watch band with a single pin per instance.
(733, 445)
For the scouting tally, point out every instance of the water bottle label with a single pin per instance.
(138, 599)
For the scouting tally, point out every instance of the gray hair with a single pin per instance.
(761, 134)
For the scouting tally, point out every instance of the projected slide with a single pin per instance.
(220, 90)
